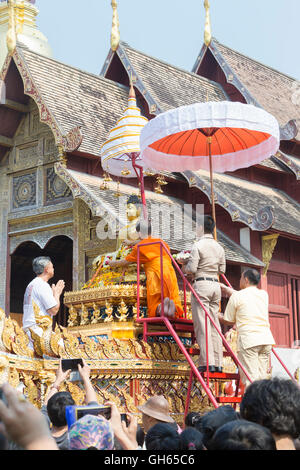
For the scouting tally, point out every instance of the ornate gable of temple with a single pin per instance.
(247, 80)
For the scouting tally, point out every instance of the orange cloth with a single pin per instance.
(150, 258)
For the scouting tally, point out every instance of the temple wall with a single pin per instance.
(35, 205)
(4, 200)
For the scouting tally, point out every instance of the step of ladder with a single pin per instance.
(196, 352)
(229, 399)
(221, 375)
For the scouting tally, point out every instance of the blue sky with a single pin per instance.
(172, 30)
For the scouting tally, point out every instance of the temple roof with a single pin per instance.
(170, 86)
(165, 86)
(258, 206)
(273, 90)
(68, 97)
(104, 202)
(72, 98)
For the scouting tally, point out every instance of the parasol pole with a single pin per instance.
(140, 176)
(213, 206)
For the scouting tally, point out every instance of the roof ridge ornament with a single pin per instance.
(207, 28)
(115, 32)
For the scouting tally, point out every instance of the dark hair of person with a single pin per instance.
(191, 439)
(56, 408)
(192, 418)
(252, 275)
(209, 224)
(275, 404)
(162, 436)
(242, 435)
(213, 420)
(133, 199)
(140, 436)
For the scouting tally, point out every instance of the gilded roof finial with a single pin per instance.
(207, 29)
(11, 37)
(115, 33)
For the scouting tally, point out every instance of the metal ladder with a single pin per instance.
(174, 326)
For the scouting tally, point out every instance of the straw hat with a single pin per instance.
(157, 407)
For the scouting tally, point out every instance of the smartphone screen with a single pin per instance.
(124, 418)
(91, 410)
(71, 364)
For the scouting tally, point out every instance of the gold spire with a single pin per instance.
(20, 17)
(207, 29)
(11, 37)
(115, 33)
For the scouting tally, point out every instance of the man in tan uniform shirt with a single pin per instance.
(206, 261)
(248, 309)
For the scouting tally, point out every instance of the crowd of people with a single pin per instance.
(268, 419)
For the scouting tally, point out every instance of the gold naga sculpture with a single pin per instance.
(103, 274)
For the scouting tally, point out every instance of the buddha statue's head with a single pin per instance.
(133, 209)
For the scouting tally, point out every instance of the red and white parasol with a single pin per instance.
(241, 135)
(215, 136)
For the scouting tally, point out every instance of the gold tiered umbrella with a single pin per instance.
(120, 154)
(122, 147)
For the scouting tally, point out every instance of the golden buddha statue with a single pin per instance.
(103, 274)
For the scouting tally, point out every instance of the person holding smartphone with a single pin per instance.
(56, 402)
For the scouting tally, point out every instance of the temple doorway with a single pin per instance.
(60, 250)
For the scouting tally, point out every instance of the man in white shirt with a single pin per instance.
(248, 309)
(41, 296)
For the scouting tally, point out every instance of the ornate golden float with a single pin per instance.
(103, 331)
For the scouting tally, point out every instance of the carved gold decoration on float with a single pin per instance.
(73, 316)
(102, 295)
(123, 312)
(125, 370)
(108, 312)
(84, 315)
(96, 314)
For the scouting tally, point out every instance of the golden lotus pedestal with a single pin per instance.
(103, 331)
